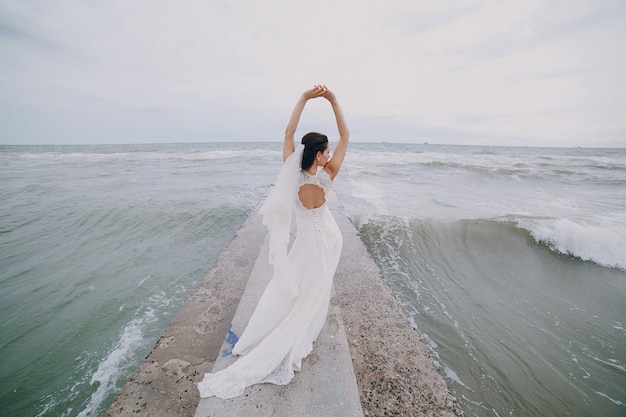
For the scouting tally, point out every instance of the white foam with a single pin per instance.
(370, 193)
(117, 361)
(611, 362)
(213, 155)
(60, 157)
(453, 376)
(144, 280)
(602, 244)
(616, 402)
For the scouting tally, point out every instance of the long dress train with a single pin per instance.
(293, 308)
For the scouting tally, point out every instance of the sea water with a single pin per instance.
(99, 248)
(510, 262)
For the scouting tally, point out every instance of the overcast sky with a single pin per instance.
(511, 72)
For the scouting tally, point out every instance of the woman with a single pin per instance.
(293, 307)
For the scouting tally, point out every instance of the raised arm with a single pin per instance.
(339, 153)
(292, 125)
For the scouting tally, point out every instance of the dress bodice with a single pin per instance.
(321, 179)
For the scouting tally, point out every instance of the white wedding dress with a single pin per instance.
(293, 308)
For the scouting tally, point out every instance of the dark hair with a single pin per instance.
(313, 143)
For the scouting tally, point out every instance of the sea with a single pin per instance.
(510, 262)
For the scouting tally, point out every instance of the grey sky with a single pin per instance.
(511, 72)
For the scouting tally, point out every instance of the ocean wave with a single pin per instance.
(599, 244)
(602, 243)
(61, 157)
(102, 372)
(518, 164)
(117, 362)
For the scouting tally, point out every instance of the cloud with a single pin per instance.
(494, 72)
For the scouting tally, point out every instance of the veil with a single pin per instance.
(277, 211)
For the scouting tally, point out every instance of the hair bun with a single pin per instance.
(314, 138)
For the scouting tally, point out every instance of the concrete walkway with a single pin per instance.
(366, 336)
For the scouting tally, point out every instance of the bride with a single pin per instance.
(293, 307)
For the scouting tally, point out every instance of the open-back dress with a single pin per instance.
(293, 308)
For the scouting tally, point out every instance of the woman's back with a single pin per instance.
(313, 189)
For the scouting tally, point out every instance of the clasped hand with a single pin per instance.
(319, 90)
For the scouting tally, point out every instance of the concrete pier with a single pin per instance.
(368, 360)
